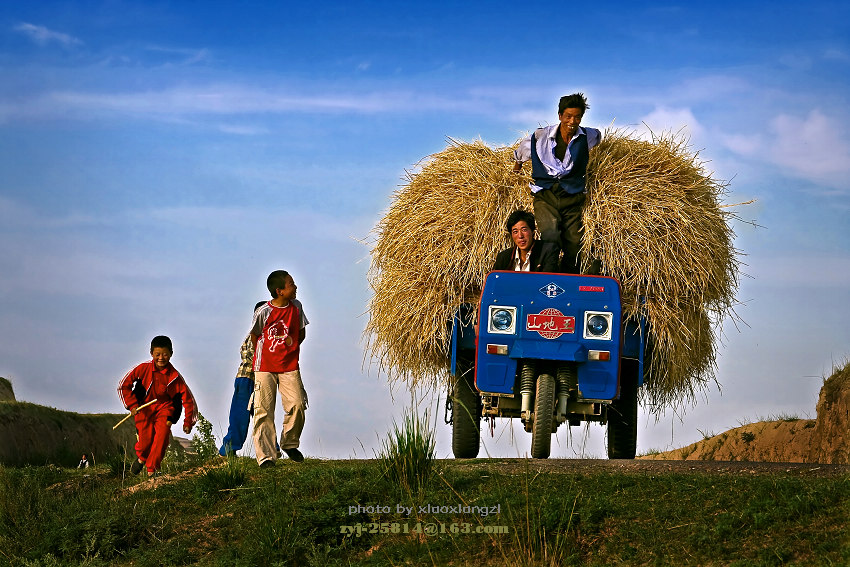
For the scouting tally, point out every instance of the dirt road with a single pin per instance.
(646, 467)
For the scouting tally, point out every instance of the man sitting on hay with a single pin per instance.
(559, 155)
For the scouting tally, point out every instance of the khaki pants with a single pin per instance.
(293, 402)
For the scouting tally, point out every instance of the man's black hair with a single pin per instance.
(575, 100)
(520, 215)
(276, 281)
(161, 341)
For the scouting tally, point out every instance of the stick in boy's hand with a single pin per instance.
(132, 413)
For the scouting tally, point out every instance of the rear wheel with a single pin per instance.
(623, 414)
(466, 413)
(544, 410)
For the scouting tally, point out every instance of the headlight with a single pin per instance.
(502, 320)
(597, 325)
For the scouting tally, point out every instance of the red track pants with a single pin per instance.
(154, 434)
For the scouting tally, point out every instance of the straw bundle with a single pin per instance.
(433, 248)
(653, 218)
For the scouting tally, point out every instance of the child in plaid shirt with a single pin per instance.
(240, 412)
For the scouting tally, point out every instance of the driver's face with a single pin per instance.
(522, 235)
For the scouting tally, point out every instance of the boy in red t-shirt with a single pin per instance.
(156, 380)
(278, 329)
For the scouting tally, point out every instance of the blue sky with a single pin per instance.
(158, 159)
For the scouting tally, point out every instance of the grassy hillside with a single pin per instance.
(6, 392)
(229, 512)
(38, 435)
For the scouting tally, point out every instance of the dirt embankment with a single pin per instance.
(825, 439)
(37, 435)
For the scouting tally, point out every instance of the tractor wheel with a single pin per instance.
(544, 415)
(623, 414)
(466, 414)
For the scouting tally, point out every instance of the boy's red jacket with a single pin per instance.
(145, 383)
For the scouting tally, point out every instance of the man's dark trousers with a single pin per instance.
(558, 217)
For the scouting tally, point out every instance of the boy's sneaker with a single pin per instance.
(294, 455)
(136, 467)
(267, 464)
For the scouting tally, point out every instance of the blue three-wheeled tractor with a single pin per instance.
(551, 349)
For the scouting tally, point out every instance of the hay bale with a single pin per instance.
(432, 250)
(654, 218)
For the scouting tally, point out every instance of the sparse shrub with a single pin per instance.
(119, 462)
(748, 436)
(48, 560)
(175, 458)
(407, 457)
(203, 442)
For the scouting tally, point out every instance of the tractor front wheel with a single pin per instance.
(544, 415)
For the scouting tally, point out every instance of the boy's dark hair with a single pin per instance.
(276, 281)
(259, 304)
(520, 215)
(575, 100)
(161, 341)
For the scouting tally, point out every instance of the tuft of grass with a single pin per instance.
(687, 451)
(748, 436)
(788, 417)
(546, 525)
(706, 435)
(407, 455)
(217, 482)
(652, 451)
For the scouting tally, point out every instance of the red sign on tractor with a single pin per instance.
(550, 323)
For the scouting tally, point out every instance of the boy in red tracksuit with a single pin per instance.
(156, 380)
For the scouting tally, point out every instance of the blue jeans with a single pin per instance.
(240, 417)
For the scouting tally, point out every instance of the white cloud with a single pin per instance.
(682, 120)
(810, 272)
(43, 36)
(796, 61)
(317, 227)
(813, 147)
(835, 54)
(182, 56)
(227, 100)
(243, 129)
(744, 144)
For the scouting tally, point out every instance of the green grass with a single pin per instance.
(230, 512)
(407, 455)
